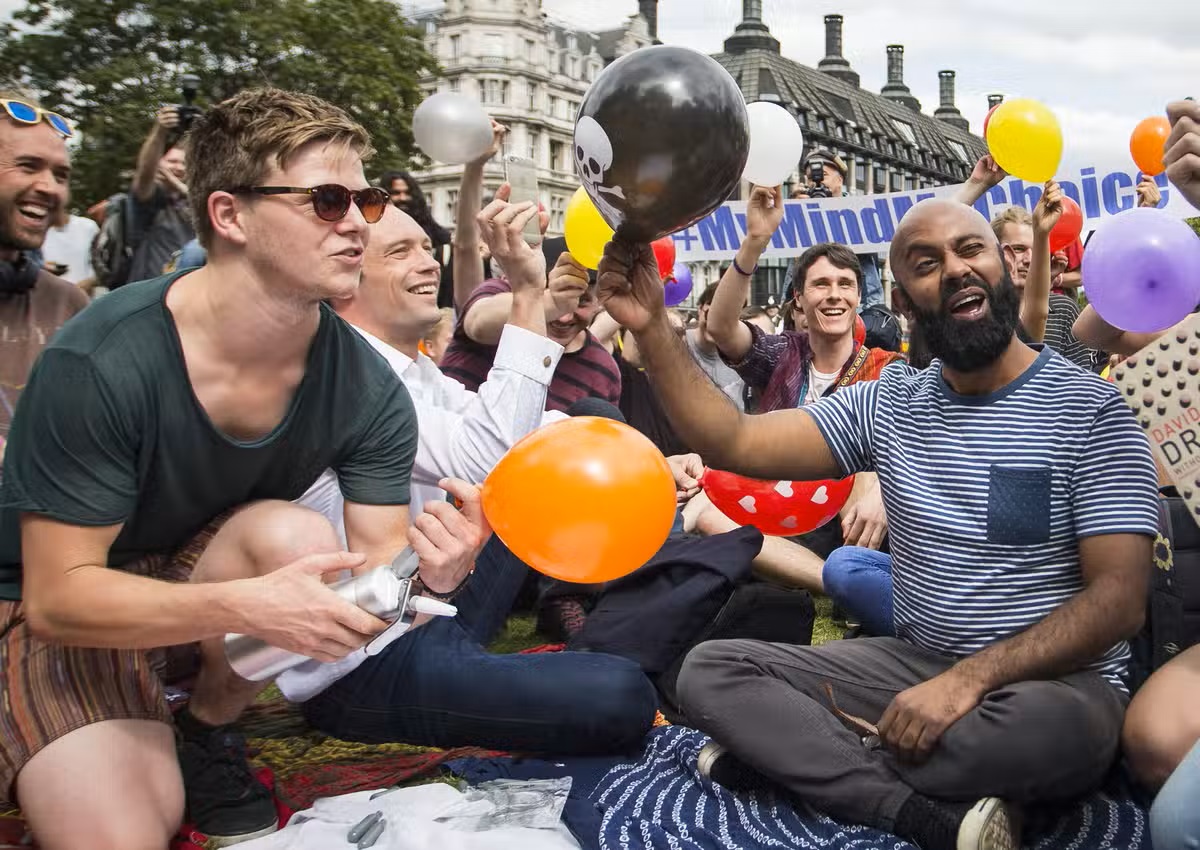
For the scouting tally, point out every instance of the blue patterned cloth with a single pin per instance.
(662, 803)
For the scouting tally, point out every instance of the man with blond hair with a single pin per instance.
(147, 487)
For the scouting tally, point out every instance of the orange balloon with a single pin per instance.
(584, 500)
(1146, 144)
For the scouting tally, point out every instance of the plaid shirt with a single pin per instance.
(777, 364)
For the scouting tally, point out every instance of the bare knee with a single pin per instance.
(1160, 727)
(1155, 741)
(285, 532)
(263, 537)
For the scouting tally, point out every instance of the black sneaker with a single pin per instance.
(718, 765)
(225, 800)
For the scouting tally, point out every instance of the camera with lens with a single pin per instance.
(189, 84)
(816, 176)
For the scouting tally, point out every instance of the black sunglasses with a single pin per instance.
(332, 201)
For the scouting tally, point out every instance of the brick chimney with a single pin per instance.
(896, 90)
(834, 64)
(947, 111)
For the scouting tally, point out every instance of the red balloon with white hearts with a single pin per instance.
(782, 508)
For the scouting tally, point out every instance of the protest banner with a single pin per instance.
(867, 223)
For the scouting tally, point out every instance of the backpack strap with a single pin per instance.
(856, 364)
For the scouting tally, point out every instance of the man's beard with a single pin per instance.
(969, 346)
(9, 238)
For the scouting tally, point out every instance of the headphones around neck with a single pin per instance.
(18, 276)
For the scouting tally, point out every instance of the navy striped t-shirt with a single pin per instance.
(988, 496)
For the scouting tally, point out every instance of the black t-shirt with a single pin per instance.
(642, 409)
(109, 431)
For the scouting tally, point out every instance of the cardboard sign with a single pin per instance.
(1161, 384)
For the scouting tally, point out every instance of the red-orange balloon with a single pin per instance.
(664, 254)
(584, 500)
(1070, 225)
(1147, 142)
(782, 508)
(860, 330)
(987, 119)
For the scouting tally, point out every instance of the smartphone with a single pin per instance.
(521, 174)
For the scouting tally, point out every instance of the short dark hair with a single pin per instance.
(839, 255)
(753, 312)
(707, 296)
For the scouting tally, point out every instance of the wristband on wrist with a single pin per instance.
(426, 590)
(742, 271)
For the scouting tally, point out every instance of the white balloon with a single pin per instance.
(452, 128)
(776, 144)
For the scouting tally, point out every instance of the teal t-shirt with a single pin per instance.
(108, 431)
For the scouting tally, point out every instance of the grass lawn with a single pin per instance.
(519, 632)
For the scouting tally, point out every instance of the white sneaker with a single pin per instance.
(990, 824)
(707, 757)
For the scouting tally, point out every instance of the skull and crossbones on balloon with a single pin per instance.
(594, 156)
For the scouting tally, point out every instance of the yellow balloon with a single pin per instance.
(1025, 140)
(586, 232)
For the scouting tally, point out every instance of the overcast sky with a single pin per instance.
(1101, 65)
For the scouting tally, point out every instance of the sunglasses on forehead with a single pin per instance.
(331, 201)
(27, 113)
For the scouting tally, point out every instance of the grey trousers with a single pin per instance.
(767, 704)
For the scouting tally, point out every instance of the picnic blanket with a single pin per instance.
(660, 802)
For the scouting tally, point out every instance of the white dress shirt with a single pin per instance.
(460, 434)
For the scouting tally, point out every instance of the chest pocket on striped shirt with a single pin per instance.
(1018, 506)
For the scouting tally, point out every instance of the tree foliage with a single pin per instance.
(109, 64)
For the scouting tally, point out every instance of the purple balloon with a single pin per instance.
(1140, 270)
(678, 285)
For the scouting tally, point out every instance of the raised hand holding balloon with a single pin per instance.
(1146, 144)
(1025, 139)
(584, 499)
(781, 508)
(1140, 270)
(1068, 227)
(585, 231)
(776, 144)
(678, 285)
(661, 141)
(452, 128)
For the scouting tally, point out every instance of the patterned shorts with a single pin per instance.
(48, 690)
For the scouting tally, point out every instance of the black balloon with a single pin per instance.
(661, 141)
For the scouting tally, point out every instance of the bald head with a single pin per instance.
(934, 220)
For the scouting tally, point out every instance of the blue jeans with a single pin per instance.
(1175, 815)
(440, 687)
(860, 581)
(872, 291)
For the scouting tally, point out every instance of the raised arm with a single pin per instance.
(1096, 333)
(605, 329)
(145, 176)
(1035, 300)
(467, 433)
(782, 444)
(764, 212)
(568, 282)
(468, 265)
(1182, 156)
(984, 176)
